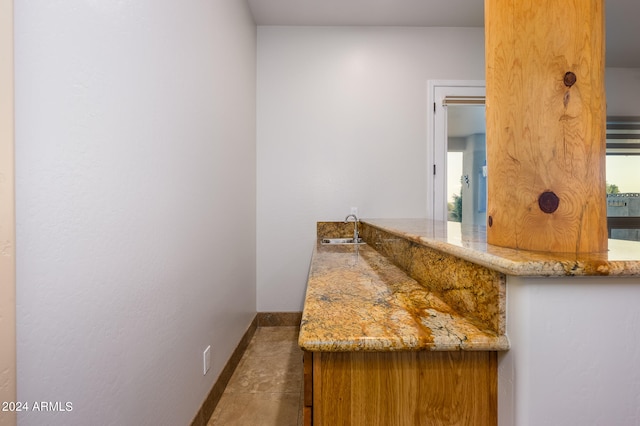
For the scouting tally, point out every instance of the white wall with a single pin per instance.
(574, 352)
(623, 91)
(341, 118)
(135, 170)
(7, 217)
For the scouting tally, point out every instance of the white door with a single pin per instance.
(455, 100)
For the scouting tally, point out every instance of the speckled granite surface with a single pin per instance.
(623, 257)
(357, 300)
(472, 290)
(421, 284)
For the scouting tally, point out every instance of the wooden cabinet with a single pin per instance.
(400, 388)
(307, 410)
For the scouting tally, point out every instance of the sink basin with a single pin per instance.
(341, 241)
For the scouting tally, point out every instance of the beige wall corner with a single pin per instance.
(7, 217)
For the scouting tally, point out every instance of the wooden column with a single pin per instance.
(546, 123)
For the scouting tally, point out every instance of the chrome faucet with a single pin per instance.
(355, 226)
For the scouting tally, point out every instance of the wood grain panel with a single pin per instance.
(307, 397)
(307, 360)
(545, 127)
(405, 388)
(307, 416)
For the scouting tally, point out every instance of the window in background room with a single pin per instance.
(457, 152)
(623, 178)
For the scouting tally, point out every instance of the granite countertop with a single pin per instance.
(470, 243)
(357, 300)
(449, 294)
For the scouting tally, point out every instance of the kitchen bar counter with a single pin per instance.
(431, 296)
(422, 284)
(357, 300)
(470, 243)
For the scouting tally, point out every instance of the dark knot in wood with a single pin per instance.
(569, 79)
(490, 221)
(548, 202)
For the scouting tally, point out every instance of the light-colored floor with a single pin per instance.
(266, 388)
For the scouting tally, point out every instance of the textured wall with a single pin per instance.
(574, 348)
(135, 170)
(342, 123)
(7, 217)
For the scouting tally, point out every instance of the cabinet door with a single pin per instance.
(405, 388)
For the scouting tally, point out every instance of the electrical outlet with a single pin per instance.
(354, 210)
(206, 360)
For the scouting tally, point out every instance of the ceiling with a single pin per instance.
(623, 28)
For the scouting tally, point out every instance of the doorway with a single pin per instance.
(456, 152)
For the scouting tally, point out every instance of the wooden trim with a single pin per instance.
(307, 404)
(317, 388)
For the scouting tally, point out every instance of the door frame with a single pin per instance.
(437, 90)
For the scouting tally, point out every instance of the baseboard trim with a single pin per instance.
(275, 319)
(209, 404)
(262, 319)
